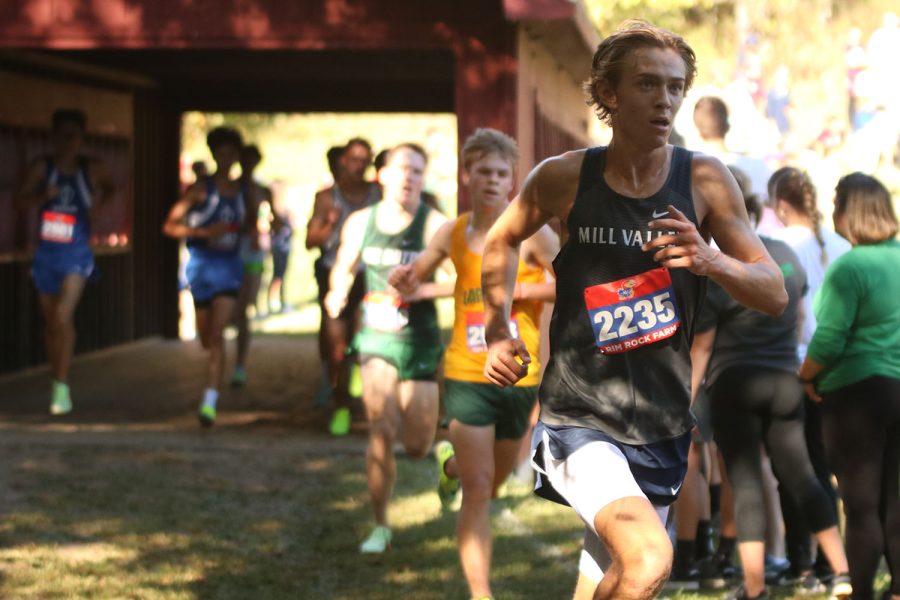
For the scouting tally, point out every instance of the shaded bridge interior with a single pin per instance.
(376, 80)
(138, 295)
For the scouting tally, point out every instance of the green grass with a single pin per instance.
(247, 515)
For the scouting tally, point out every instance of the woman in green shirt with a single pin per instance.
(853, 367)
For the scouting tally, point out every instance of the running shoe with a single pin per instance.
(804, 583)
(61, 403)
(776, 568)
(207, 415)
(715, 572)
(685, 576)
(339, 425)
(739, 593)
(239, 377)
(840, 587)
(448, 486)
(378, 542)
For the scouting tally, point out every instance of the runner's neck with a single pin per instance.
(636, 173)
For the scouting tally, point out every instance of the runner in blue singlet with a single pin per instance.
(69, 188)
(212, 215)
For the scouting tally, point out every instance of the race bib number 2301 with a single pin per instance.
(632, 312)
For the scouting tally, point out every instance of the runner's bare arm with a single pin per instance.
(743, 267)
(549, 191)
(344, 270)
(440, 289)
(174, 225)
(323, 220)
(34, 189)
(540, 249)
(407, 279)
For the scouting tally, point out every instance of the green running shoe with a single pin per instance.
(378, 542)
(339, 425)
(207, 415)
(61, 403)
(448, 487)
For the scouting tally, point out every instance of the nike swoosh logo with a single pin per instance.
(657, 215)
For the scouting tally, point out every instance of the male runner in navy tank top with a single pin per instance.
(212, 215)
(69, 188)
(615, 420)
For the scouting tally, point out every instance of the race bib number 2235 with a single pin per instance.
(632, 312)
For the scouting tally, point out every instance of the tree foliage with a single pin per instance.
(671, 14)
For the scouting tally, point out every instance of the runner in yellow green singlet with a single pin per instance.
(487, 423)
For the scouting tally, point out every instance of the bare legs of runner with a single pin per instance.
(634, 538)
(482, 464)
(59, 325)
(211, 322)
(246, 298)
(407, 409)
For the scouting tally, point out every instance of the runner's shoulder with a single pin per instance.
(560, 169)
(555, 180)
(706, 169)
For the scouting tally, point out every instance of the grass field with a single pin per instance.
(155, 514)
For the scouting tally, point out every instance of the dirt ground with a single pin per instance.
(158, 384)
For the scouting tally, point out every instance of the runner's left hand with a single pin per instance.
(682, 246)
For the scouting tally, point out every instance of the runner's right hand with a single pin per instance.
(217, 229)
(403, 279)
(507, 362)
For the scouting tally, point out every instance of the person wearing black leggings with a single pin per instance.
(750, 363)
(853, 366)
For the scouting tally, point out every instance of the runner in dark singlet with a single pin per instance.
(69, 188)
(615, 421)
(350, 192)
(253, 253)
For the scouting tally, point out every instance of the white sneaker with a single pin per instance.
(378, 542)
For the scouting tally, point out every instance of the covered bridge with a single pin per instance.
(134, 66)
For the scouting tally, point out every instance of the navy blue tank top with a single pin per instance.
(622, 324)
(217, 209)
(64, 220)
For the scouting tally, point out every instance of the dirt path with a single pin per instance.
(157, 383)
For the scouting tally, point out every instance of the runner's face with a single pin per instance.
(355, 161)
(67, 138)
(648, 96)
(225, 156)
(489, 180)
(403, 175)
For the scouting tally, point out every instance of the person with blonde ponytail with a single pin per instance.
(815, 246)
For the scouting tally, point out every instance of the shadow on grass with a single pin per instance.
(266, 518)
